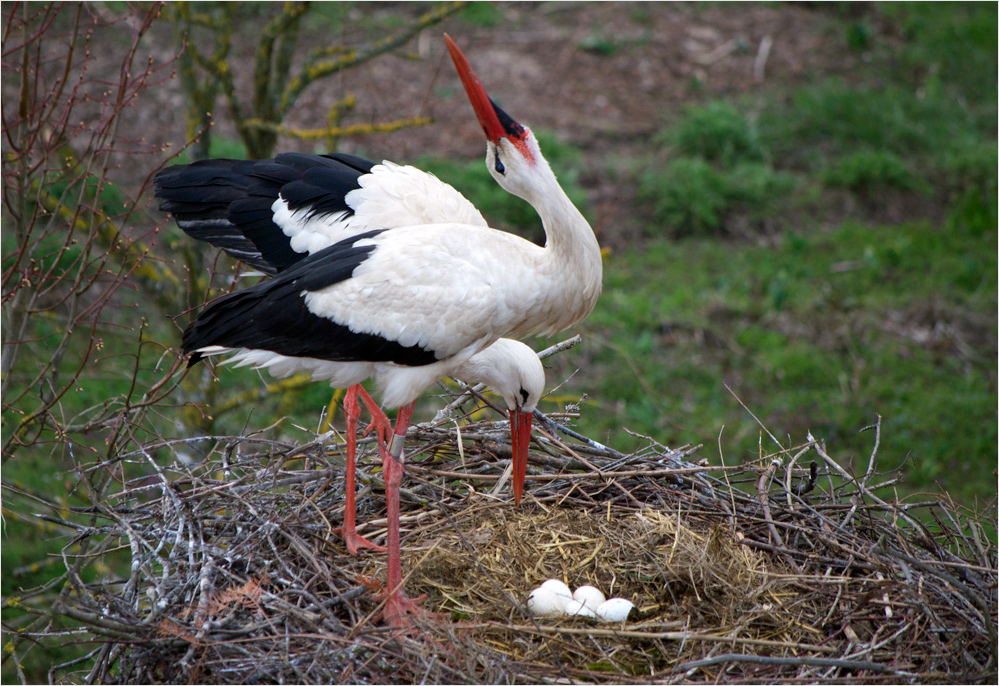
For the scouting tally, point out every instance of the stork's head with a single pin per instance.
(515, 372)
(512, 153)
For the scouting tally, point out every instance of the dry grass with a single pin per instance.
(769, 572)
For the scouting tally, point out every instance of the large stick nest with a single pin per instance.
(776, 571)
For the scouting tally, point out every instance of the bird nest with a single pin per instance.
(774, 571)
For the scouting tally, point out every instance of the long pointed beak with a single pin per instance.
(484, 108)
(520, 441)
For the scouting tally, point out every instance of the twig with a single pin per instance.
(846, 475)
(666, 635)
(806, 660)
(555, 426)
(874, 450)
(762, 54)
(762, 490)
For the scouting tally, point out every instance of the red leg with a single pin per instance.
(398, 607)
(349, 529)
(394, 465)
(379, 422)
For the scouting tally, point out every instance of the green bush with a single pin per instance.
(838, 118)
(715, 131)
(689, 196)
(719, 170)
(757, 186)
(974, 165)
(871, 171)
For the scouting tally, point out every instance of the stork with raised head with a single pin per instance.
(414, 303)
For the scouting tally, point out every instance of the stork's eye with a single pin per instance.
(524, 394)
(501, 169)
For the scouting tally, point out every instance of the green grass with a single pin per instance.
(954, 44)
(830, 323)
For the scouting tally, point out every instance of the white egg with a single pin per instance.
(574, 608)
(558, 587)
(615, 610)
(590, 596)
(544, 602)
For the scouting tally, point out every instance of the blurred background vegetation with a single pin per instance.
(797, 203)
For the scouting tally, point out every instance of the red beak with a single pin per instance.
(483, 106)
(520, 441)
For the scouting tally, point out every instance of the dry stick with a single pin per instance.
(863, 489)
(602, 475)
(586, 484)
(72, 663)
(974, 597)
(873, 644)
(472, 476)
(667, 635)
(201, 615)
(762, 426)
(956, 526)
(788, 491)
(764, 660)
(559, 347)
(550, 423)
(762, 486)
(102, 625)
(874, 451)
(182, 441)
(721, 457)
(760, 63)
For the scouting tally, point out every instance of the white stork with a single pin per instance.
(245, 208)
(415, 303)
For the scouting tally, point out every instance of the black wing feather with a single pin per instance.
(272, 315)
(228, 202)
(359, 163)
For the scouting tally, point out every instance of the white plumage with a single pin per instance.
(390, 196)
(511, 368)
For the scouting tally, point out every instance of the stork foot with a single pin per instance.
(379, 422)
(400, 610)
(355, 542)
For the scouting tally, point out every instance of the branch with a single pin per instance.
(806, 660)
(268, 76)
(316, 69)
(336, 132)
